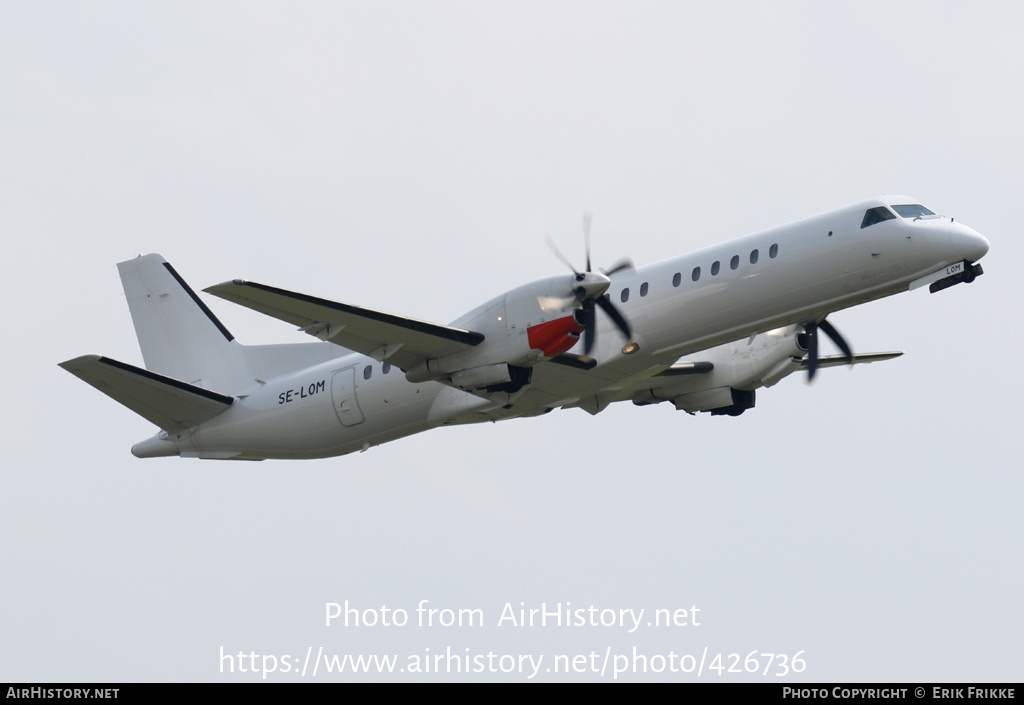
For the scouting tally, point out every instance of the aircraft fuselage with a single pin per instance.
(791, 274)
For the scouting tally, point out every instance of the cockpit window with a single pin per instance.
(876, 215)
(912, 211)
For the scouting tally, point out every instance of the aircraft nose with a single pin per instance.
(971, 244)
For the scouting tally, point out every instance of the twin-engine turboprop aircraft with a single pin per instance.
(702, 331)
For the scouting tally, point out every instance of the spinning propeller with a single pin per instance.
(811, 332)
(588, 293)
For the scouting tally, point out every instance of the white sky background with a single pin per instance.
(407, 157)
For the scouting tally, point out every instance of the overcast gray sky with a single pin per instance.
(407, 156)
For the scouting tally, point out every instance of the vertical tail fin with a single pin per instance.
(179, 336)
(182, 339)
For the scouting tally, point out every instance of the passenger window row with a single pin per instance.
(716, 267)
(368, 370)
(734, 263)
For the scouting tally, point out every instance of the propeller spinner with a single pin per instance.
(589, 293)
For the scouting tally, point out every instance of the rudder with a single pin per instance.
(179, 336)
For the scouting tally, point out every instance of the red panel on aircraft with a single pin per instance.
(554, 337)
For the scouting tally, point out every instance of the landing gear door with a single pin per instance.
(343, 393)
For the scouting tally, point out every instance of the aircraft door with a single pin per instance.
(343, 393)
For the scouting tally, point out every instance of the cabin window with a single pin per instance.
(696, 273)
(715, 266)
(876, 215)
(624, 296)
(367, 371)
(753, 256)
(734, 262)
(677, 278)
(386, 367)
(643, 289)
(912, 211)
(773, 251)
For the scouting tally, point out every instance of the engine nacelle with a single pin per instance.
(480, 377)
(518, 333)
(720, 400)
(739, 368)
(501, 377)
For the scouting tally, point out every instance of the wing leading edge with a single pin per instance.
(858, 359)
(403, 342)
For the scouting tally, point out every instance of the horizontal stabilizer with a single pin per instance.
(860, 359)
(170, 404)
(403, 342)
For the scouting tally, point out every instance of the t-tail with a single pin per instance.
(179, 335)
(195, 368)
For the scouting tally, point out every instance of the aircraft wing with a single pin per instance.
(383, 336)
(169, 403)
(859, 359)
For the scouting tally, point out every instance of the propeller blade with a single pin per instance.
(812, 349)
(589, 292)
(558, 253)
(841, 343)
(621, 265)
(587, 215)
(617, 318)
(555, 304)
(589, 327)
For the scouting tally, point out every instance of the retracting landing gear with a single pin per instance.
(742, 400)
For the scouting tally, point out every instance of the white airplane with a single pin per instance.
(702, 331)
